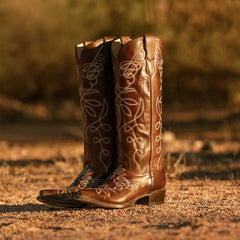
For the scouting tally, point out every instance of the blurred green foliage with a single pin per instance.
(202, 45)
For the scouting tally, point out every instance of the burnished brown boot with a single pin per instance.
(96, 88)
(140, 175)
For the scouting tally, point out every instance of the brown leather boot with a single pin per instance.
(140, 175)
(96, 88)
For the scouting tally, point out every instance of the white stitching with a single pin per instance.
(128, 70)
(158, 124)
(91, 71)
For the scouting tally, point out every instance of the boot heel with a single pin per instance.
(157, 197)
(143, 201)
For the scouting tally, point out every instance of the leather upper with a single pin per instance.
(138, 105)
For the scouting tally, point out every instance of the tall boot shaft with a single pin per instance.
(138, 66)
(96, 84)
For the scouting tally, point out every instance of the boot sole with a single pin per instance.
(55, 202)
(155, 198)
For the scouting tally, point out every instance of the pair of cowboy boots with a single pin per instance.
(121, 99)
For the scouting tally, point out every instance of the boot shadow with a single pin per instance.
(30, 207)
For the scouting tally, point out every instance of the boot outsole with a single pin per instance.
(60, 203)
(155, 198)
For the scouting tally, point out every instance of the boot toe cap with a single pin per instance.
(47, 192)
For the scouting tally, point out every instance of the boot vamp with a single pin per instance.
(86, 177)
(123, 187)
(46, 192)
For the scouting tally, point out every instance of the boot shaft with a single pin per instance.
(96, 84)
(138, 105)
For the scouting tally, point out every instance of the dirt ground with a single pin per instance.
(202, 202)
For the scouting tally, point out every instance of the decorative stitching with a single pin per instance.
(158, 127)
(128, 70)
(85, 177)
(121, 182)
(77, 181)
(159, 62)
(90, 106)
(158, 124)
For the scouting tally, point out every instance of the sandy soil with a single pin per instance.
(202, 202)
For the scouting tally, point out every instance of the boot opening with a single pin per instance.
(79, 49)
(118, 43)
(116, 46)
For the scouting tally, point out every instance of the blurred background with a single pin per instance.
(37, 39)
(201, 89)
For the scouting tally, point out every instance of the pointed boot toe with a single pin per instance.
(46, 192)
(62, 200)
